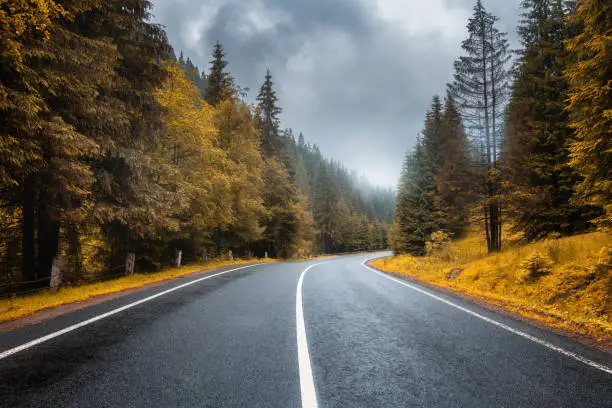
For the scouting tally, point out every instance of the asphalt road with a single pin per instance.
(337, 335)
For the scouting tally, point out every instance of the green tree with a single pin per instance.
(590, 106)
(267, 118)
(454, 179)
(540, 180)
(414, 213)
(219, 84)
(325, 209)
(479, 86)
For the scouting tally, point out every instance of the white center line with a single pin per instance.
(307, 387)
(68, 329)
(498, 324)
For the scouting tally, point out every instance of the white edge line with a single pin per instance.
(68, 329)
(496, 323)
(307, 387)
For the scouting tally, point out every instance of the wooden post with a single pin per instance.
(230, 255)
(179, 256)
(130, 261)
(56, 274)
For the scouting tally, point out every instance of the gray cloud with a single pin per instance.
(355, 76)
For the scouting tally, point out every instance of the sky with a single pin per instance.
(354, 76)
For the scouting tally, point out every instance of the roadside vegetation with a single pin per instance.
(515, 164)
(112, 148)
(563, 282)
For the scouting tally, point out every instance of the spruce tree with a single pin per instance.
(479, 88)
(415, 210)
(219, 84)
(325, 209)
(267, 118)
(454, 179)
(590, 103)
(540, 181)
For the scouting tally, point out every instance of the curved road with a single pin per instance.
(329, 333)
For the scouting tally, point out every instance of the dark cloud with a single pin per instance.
(355, 76)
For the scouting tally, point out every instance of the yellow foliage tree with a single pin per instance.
(190, 145)
(239, 140)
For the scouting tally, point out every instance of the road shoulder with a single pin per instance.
(604, 345)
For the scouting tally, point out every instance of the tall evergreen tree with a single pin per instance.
(414, 213)
(479, 87)
(540, 181)
(454, 178)
(219, 84)
(60, 83)
(590, 105)
(267, 118)
(130, 203)
(325, 209)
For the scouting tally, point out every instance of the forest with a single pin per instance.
(111, 145)
(521, 144)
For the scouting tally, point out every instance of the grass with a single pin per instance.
(11, 309)
(564, 283)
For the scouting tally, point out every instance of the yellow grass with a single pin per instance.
(575, 295)
(15, 308)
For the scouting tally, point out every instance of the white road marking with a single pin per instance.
(307, 387)
(498, 324)
(68, 329)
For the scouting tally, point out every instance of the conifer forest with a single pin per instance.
(110, 144)
(113, 143)
(522, 141)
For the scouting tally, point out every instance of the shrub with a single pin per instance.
(535, 266)
(439, 245)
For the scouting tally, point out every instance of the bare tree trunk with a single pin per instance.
(28, 226)
(48, 237)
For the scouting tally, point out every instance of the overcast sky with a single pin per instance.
(355, 76)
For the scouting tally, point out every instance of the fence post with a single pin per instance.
(56, 274)
(129, 263)
(266, 254)
(230, 255)
(179, 256)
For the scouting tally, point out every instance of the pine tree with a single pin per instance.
(130, 202)
(540, 181)
(415, 210)
(72, 71)
(325, 209)
(479, 87)
(267, 118)
(590, 106)
(219, 84)
(454, 179)
(431, 160)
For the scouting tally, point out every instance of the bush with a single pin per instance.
(535, 266)
(439, 245)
